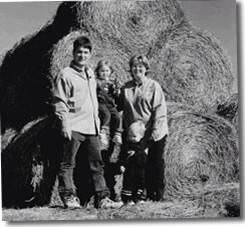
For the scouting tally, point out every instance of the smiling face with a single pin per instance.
(81, 55)
(104, 72)
(138, 72)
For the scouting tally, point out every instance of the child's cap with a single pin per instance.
(136, 129)
(82, 41)
(139, 59)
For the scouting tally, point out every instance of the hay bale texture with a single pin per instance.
(189, 64)
(229, 109)
(201, 151)
(29, 165)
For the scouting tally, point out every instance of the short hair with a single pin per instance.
(102, 63)
(139, 59)
(82, 41)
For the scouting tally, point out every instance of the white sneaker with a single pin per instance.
(130, 203)
(72, 202)
(140, 202)
(108, 203)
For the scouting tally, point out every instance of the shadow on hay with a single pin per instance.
(30, 164)
(25, 81)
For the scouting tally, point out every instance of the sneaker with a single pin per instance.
(72, 202)
(130, 203)
(140, 201)
(108, 203)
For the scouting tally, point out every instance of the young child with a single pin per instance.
(76, 106)
(142, 98)
(109, 116)
(135, 157)
(110, 122)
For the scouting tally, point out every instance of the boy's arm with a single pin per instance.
(160, 126)
(60, 102)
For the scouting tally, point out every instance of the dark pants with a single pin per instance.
(68, 163)
(109, 117)
(155, 170)
(134, 177)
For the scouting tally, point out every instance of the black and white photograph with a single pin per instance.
(119, 110)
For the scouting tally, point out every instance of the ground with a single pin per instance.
(148, 210)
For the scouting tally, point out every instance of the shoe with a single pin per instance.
(71, 202)
(130, 203)
(108, 203)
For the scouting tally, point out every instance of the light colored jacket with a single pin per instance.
(145, 102)
(75, 100)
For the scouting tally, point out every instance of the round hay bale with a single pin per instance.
(186, 62)
(200, 150)
(29, 165)
(189, 64)
(118, 30)
(192, 68)
(230, 110)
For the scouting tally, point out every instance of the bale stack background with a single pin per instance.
(201, 150)
(229, 109)
(195, 74)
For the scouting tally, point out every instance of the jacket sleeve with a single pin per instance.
(119, 99)
(160, 126)
(61, 93)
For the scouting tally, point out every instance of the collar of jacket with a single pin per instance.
(81, 69)
(139, 83)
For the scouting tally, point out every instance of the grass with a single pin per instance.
(148, 210)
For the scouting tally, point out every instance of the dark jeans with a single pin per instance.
(155, 170)
(68, 163)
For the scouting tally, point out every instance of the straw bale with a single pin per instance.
(230, 110)
(200, 150)
(192, 68)
(189, 64)
(29, 165)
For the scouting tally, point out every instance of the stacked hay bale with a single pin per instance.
(29, 165)
(188, 63)
(201, 150)
(229, 109)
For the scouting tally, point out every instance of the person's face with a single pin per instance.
(104, 72)
(138, 72)
(81, 55)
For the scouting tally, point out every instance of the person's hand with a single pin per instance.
(131, 153)
(117, 139)
(66, 132)
(122, 169)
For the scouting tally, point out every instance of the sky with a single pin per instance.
(18, 19)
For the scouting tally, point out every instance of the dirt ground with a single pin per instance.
(148, 210)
